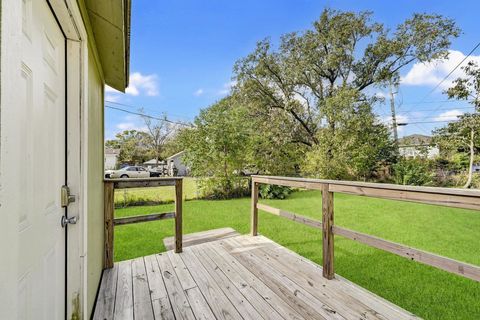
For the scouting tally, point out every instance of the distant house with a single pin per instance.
(111, 157)
(153, 163)
(176, 166)
(417, 145)
(476, 167)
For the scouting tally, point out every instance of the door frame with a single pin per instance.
(69, 17)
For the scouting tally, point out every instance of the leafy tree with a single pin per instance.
(464, 134)
(158, 132)
(218, 146)
(317, 81)
(414, 171)
(133, 146)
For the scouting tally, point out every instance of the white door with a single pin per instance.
(41, 173)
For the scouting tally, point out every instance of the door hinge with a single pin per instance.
(66, 197)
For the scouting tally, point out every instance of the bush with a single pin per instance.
(415, 172)
(271, 191)
(222, 188)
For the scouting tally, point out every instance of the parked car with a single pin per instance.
(128, 172)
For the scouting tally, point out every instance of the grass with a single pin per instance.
(125, 197)
(423, 290)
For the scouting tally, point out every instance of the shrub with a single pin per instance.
(270, 191)
(222, 188)
(415, 172)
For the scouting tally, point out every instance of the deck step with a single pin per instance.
(201, 237)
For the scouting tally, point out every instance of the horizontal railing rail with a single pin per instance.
(457, 198)
(109, 207)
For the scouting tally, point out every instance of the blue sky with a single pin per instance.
(182, 53)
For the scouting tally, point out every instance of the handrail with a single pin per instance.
(458, 198)
(110, 222)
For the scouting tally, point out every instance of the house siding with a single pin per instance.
(95, 237)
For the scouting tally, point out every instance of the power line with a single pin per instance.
(149, 116)
(147, 108)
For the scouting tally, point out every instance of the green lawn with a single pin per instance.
(426, 291)
(160, 194)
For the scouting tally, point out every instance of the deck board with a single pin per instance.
(238, 277)
(192, 239)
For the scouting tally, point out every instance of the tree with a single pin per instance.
(464, 134)
(133, 146)
(158, 132)
(318, 80)
(218, 146)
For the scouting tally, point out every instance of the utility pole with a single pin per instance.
(394, 117)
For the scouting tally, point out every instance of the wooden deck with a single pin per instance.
(241, 277)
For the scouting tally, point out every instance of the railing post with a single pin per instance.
(108, 211)
(327, 232)
(254, 210)
(178, 215)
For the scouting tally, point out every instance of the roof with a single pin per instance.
(415, 140)
(154, 161)
(176, 155)
(112, 151)
(110, 25)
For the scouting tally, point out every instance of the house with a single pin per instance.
(111, 156)
(176, 166)
(417, 145)
(56, 58)
(153, 163)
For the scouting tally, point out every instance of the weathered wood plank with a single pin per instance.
(323, 289)
(108, 212)
(281, 181)
(106, 295)
(297, 297)
(183, 274)
(221, 307)
(254, 210)
(178, 300)
(199, 305)
(327, 233)
(243, 306)
(453, 266)
(246, 280)
(162, 309)
(155, 279)
(142, 183)
(192, 239)
(178, 215)
(124, 300)
(290, 215)
(142, 302)
(343, 293)
(144, 218)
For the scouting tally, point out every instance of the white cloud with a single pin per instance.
(198, 92)
(138, 84)
(400, 119)
(448, 115)
(145, 84)
(130, 126)
(112, 97)
(227, 88)
(430, 74)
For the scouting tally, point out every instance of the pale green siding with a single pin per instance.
(95, 181)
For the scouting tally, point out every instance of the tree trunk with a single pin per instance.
(468, 184)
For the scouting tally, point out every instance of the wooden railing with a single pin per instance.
(109, 207)
(458, 198)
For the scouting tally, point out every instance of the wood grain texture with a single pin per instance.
(178, 215)
(327, 232)
(108, 211)
(241, 277)
(144, 218)
(143, 182)
(254, 210)
(192, 239)
(290, 215)
(453, 266)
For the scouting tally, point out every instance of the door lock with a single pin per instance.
(65, 221)
(66, 197)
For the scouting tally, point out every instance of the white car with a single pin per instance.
(128, 172)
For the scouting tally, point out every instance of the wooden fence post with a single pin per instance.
(108, 211)
(327, 232)
(254, 210)
(178, 215)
